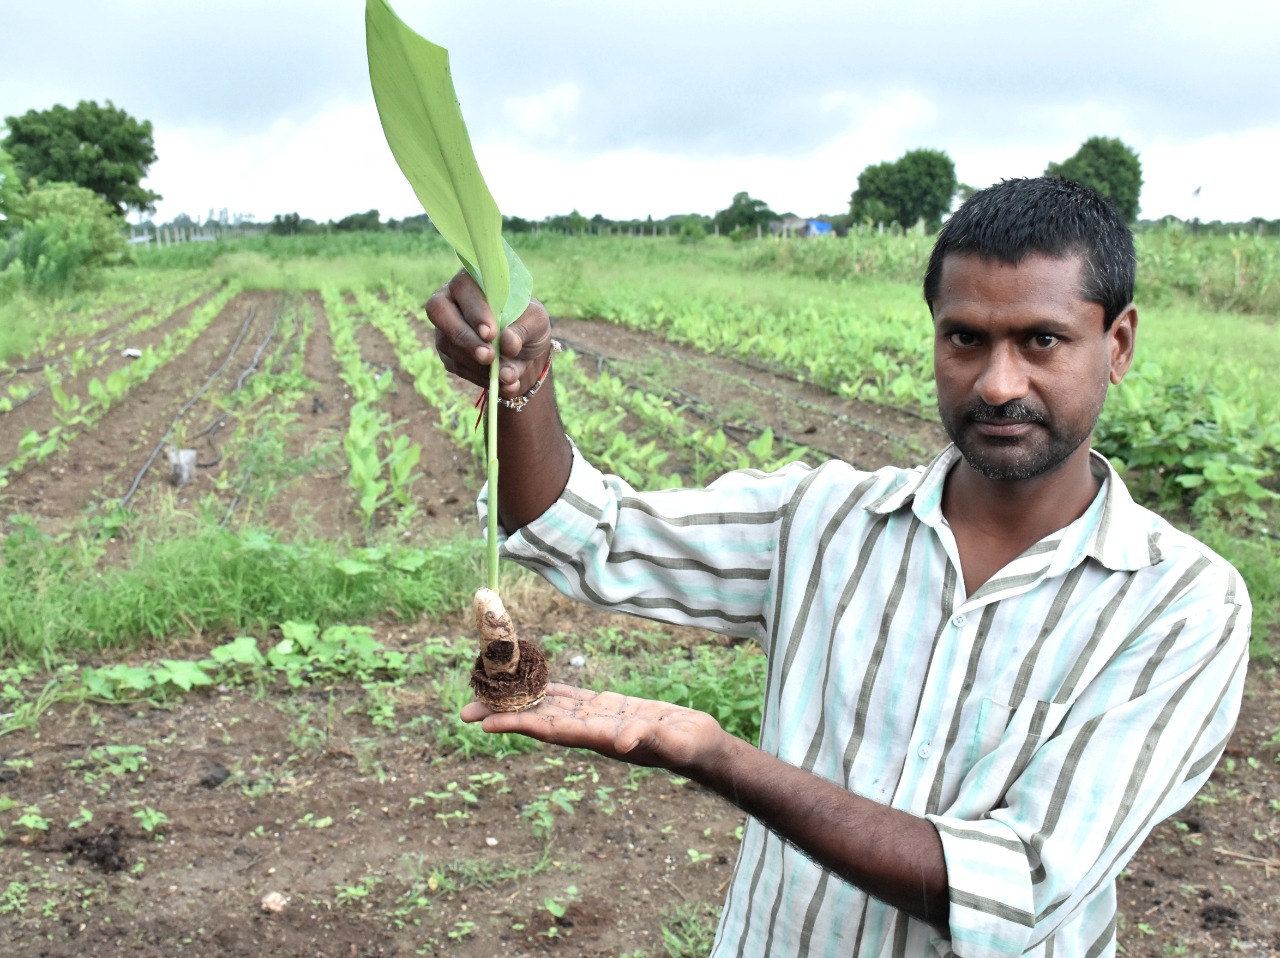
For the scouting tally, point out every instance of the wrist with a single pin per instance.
(518, 403)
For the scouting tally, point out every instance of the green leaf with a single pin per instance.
(185, 675)
(243, 650)
(354, 567)
(423, 124)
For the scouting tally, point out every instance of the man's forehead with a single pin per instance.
(1067, 265)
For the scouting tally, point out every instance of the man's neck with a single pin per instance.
(994, 521)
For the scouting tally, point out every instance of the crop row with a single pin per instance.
(75, 412)
(59, 364)
(594, 411)
(1183, 438)
(381, 459)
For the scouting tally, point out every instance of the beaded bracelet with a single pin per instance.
(518, 404)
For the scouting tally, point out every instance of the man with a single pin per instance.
(989, 677)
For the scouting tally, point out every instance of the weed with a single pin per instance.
(13, 900)
(688, 931)
(151, 819)
(32, 820)
(463, 928)
(540, 812)
(359, 892)
(698, 858)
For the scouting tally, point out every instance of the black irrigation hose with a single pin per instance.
(39, 365)
(155, 453)
(602, 360)
(292, 344)
(212, 431)
(18, 405)
(695, 406)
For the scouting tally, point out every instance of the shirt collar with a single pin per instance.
(1120, 535)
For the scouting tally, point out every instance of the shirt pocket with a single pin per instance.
(1007, 737)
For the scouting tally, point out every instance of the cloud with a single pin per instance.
(796, 98)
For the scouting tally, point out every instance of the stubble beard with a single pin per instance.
(1045, 450)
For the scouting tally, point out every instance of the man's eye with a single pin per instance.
(1044, 341)
(961, 339)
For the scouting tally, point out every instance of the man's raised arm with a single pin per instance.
(534, 456)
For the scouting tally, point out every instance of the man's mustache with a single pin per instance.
(1013, 411)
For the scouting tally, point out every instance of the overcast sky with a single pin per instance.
(632, 109)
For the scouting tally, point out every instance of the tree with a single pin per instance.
(369, 222)
(67, 232)
(1108, 166)
(103, 149)
(10, 193)
(745, 214)
(918, 186)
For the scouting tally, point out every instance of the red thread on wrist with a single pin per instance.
(517, 404)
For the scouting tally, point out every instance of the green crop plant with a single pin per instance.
(425, 130)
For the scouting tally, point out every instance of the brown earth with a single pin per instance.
(379, 837)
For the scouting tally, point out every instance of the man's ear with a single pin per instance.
(1120, 342)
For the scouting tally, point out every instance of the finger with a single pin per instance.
(475, 308)
(557, 690)
(457, 340)
(475, 712)
(528, 336)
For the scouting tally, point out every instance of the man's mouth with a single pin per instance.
(1003, 427)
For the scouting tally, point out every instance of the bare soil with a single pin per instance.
(361, 831)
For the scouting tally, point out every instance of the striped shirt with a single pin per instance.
(1044, 725)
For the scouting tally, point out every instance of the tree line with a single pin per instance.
(68, 176)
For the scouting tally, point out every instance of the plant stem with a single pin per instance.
(491, 444)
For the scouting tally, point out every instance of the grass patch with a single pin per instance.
(1258, 560)
(61, 604)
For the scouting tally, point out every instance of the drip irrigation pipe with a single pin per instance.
(14, 373)
(781, 372)
(212, 431)
(39, 365)
(695, 406)
(602, 360)
(22, 402)
(155, 453)
(293, 343)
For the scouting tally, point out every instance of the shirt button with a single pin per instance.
(924, 751)
(958, 620)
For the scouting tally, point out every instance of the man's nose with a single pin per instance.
(1004, 377)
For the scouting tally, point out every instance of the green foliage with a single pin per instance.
(744, 215)
(209, 579)
(1183, 443)
(1236, 272)
(692, 230)
(920, 185)
(356, 222)
(66, 233)
(423, 124)
(727, 684)
(11, 189)
(689, 930)
(1105, 164)
(100, 148)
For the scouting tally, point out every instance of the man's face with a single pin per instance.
(1022, 362)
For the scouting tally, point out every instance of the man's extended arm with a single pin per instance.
(534, 455)
(895, 856)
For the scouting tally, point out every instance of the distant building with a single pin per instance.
(799, 226)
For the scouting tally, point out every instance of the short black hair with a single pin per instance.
(1047, 216)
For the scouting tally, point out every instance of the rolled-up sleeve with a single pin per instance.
(1131, 750)
(702, 557)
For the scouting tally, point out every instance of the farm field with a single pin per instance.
(247, 683)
